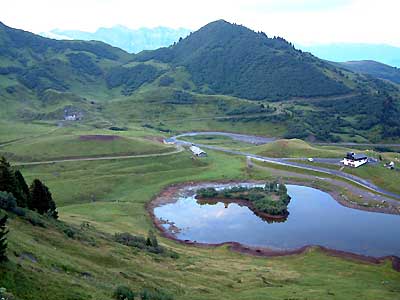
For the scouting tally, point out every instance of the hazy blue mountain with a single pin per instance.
(373, 68)
(349, 52)
(131, 40)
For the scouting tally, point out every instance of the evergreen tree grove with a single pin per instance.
(3, 238)
(36, 197)
(13, 182)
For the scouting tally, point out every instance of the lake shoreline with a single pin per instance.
(168, 195)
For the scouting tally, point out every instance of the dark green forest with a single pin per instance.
(233, 60)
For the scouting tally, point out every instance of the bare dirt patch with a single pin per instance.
(99, 137)
(157, 139)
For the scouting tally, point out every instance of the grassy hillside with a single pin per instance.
(298, 148)
(110, 196)
(373, 68)
(80, 146)
(222, 77)
(92, 265)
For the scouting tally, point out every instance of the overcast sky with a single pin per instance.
(300, 21)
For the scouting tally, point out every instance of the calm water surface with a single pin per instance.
(315, 219)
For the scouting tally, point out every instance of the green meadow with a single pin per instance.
(97, 199)
(80, 146)
(223, 77)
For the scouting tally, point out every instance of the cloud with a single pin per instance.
(299, 5)
(300, 21)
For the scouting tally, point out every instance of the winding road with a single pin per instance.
(278, 161)
(251, 139)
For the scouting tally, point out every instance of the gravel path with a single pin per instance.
(281, 161)
(178, 150)
(394, 205)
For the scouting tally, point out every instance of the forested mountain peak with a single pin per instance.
(231, 59)
(223, 32)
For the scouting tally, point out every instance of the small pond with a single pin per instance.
(315, 219)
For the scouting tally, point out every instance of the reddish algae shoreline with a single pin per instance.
(167, 196)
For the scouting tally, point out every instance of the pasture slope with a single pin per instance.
(99, 198)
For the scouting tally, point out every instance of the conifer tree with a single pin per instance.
(41, 199)
(282, 189)
(151, 239)
(13, 182)
(23, 190)
(3, 238)
(7, 178)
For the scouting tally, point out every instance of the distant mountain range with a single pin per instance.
(130, 40)
(385, 54)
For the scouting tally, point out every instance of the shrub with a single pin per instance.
(146, 294)
(182, 97)
(115, 128)
(151, 239)
(123, 293)
(207, 192)
(174, 255)
(166, 81)
(7, 201)
(185, 85)
(254, 196)
(19, 211)
(35, 219)
(69, 232)
(128, 239)
(149, 244)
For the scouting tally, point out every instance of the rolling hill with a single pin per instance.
(373, 68)
(385, 54)
(223, 76)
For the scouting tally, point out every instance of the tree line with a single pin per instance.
(16, 194)
(271, 199)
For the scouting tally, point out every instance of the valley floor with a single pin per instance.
(99, 198)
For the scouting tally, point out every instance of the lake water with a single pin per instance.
(315, 219)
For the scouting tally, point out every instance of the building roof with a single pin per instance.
(196, 150)
(355, 156)
(360, 156)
